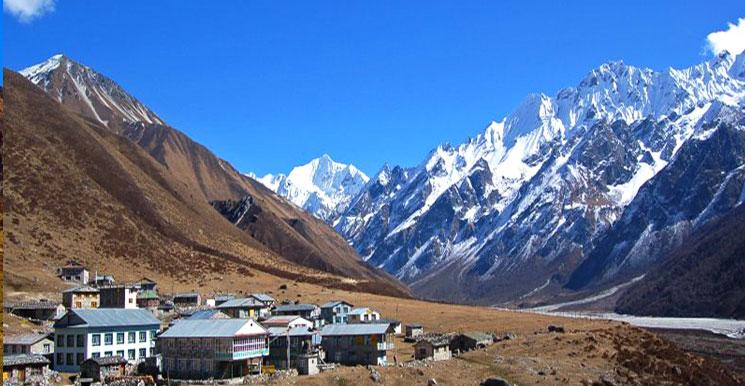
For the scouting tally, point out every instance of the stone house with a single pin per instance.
(472, 340)
(98, 369)
(413, 331)
(25, 369)
(81, 297)
(74, 272)
(40, 344)
(433, 348)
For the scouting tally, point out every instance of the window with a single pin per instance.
(96, 355)
(61, 340)
(94, 305)
(60, 358)
(119, 338)
(131, 354)
(153, 333)
(81, 340)
(131, 337)
(143, 353)
(71, 341)
(108, 339)
(96, 339)
(107, 354)
(70, 359)
(47, 348)
(120, 353)
(143, 336)
(79, 358)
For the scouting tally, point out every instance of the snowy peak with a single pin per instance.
(323, 186)
(88, 92)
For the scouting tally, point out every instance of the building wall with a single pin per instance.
(354, 350)
(42, 347)
(337, 314)
(79, 352)
(81, 300)
(118, 297)
(201, 358)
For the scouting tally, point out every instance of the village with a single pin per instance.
(104, 332)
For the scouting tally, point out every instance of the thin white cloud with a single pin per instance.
(28, 10)
(731, 39)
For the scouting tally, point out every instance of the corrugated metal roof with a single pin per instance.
(263, 297)
(24, 339)
(108, 317)
(282, 331)
(206, 328)
(361, 310)
(243, 302)
(295, 307)
(207, 314)
(333, 303)
(24, 359)
(353, 329)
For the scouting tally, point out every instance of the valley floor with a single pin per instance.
(590, 350)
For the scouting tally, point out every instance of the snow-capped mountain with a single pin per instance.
(519, 206)
(88, 92)
(322, 187)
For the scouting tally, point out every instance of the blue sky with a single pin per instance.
(268, 85)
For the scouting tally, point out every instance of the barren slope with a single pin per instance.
(75, 190)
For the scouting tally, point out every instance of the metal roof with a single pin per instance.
(295, 307)
(263, 297)
(207, 314)
(107, 317)
(206, 328)
(282, 331)
(24, 359)
(333, 303)
(353, 329)
(186, 295)
(361, 310)
(24, 339)
(240, 303)
(381, 321)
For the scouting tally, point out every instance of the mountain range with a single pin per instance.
(322, 187)
(597, 186)
(569, 194)
(97, 177)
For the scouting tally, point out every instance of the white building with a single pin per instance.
(287, 321)
(91, 333)
(362, 315)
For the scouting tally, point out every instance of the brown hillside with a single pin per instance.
(84, 91)
(75, 190)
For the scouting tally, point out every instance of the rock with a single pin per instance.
(496, 381)
(374, 375)
(431, 382)
(420, 372)
(556, 328)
